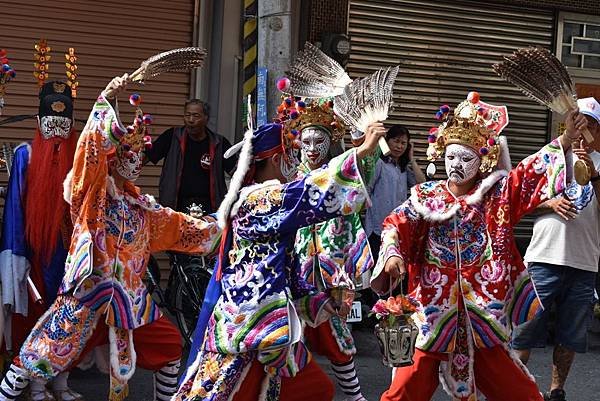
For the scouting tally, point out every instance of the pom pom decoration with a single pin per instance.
(483, 151)
(288, 101)
(135, 99)
(431, 138)
(491, 141)
(126, 146)
(445, 108)
(433, 131)
(148, 145)
(294, 115)
(473, 97)
(439, 116)
(301, 104)
(283, 84)
(147, 119)
(147, 138)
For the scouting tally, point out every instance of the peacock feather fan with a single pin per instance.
(367, 100)
(541, 76)
(313, 74)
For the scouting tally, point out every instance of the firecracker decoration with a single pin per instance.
(42, 61)
(71, 66)
(7, 73)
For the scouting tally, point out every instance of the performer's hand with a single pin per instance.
(575, 123)
(116, 86)
(563, 207)
(374, 132)
(394, 266)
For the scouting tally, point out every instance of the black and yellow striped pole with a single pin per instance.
(250, 51)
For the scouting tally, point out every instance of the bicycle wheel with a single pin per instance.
(189, 294)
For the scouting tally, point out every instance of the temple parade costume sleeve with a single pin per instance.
(14, 264)
(537, 178)
(86, 187)
(322, 194)
(179, 232)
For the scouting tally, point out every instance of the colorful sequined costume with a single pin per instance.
(253, 314)
(114, 233)
(466, 273)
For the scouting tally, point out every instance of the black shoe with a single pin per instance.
(558, 394)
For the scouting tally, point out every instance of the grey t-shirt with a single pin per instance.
(574, 243)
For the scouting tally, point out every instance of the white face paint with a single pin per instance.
(129, 168)
(315, 145)
(55, 127)
(462, 163)
(289, 165)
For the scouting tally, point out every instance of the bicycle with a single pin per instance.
(186, 286)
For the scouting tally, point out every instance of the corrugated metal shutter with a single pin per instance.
(446, 50)
(110, 38)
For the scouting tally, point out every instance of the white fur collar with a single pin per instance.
(447, 212)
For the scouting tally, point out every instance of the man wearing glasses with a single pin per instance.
(194, 167)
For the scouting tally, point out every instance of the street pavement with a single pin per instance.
(583, 383)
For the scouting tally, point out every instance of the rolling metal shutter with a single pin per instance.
(110, 38)
(446, 50)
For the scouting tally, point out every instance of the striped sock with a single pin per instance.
(13, 384)
(165, 381)
(346, 376)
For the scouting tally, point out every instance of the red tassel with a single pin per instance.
(219, 272)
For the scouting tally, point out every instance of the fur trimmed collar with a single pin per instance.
(434, 201)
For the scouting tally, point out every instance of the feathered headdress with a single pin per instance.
(6, 75)
(474, 124)
(357, 103)
(541, 76)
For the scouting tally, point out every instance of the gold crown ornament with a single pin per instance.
(474, 124)
(296, 115)
(136, 137)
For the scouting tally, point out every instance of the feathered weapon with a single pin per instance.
(367, 100)
(181, 59)
(541, 76)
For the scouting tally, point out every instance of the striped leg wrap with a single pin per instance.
(13, 384)
(165, 381)
(346, 376)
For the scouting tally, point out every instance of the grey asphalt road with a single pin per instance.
(583, 383)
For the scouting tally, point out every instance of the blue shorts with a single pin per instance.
(573, 292)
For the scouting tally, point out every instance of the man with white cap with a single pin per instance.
(563, 274)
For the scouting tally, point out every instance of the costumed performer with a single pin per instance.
(247, 343)
(37, 225)
(455, 239)
(102, 294)
(338, 248)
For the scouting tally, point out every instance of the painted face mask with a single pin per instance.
(315, 145)
(129, 167)
(289, 165)
(55, 127)
(462, 163)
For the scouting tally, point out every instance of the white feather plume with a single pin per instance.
(237, 181)
(367, 100)
(313, 74)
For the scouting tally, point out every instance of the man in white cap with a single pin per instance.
(563, 274)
